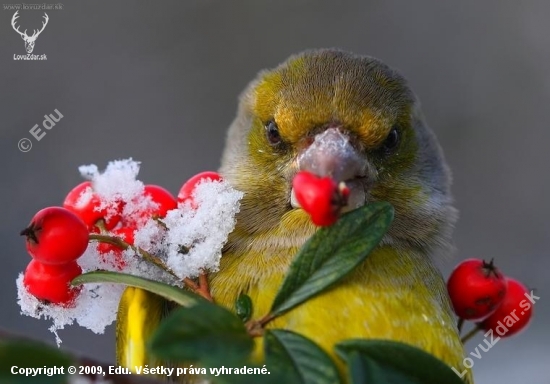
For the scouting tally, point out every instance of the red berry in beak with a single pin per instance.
(321, 197)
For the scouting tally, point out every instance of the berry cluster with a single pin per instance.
(480, 292)
(99, 217)
(57, 236)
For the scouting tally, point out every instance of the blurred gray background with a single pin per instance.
(158, 81)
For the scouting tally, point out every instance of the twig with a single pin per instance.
(160, 222)
(114, 240)
(255, 328)
(100, 224)
(470, 334)
(202, 288)
(189, 283)
(460, 324)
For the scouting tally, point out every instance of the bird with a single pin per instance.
(356, 120)
(385, 151)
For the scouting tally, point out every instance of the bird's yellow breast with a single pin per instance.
(393, 295)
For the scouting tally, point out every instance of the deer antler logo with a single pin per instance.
(29, 40)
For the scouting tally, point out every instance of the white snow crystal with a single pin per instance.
(85, 196)
(193, 239)
(117, 182)
(95, 307)
(149, 237)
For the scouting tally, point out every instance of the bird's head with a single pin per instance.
(348, 117)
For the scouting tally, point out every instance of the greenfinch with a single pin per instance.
(354, 119)
(385, 152)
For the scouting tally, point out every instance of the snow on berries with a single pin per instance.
(84, 202)
(187, 249)
(107, 223)
(186, 191)
(200, 251)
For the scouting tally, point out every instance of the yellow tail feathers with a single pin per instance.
(139, 315)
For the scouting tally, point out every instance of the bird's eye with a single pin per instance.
(272, 133)
(392, 141)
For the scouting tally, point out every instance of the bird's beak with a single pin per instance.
(332, 154)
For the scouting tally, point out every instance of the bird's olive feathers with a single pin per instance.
(376, 108)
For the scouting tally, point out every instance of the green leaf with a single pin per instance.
(389, 362)
(331, 253)
(204, 333)
(298, 359)
(167, 291)
(243, 307)
(29, 354)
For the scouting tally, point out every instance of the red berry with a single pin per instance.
(476, 289)
(165, 200)
(85, 203)
(56, 236)
(126, 234)
(51, 282)
(162, 202)
(321, 197)
(186, 190)
(513, 314)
